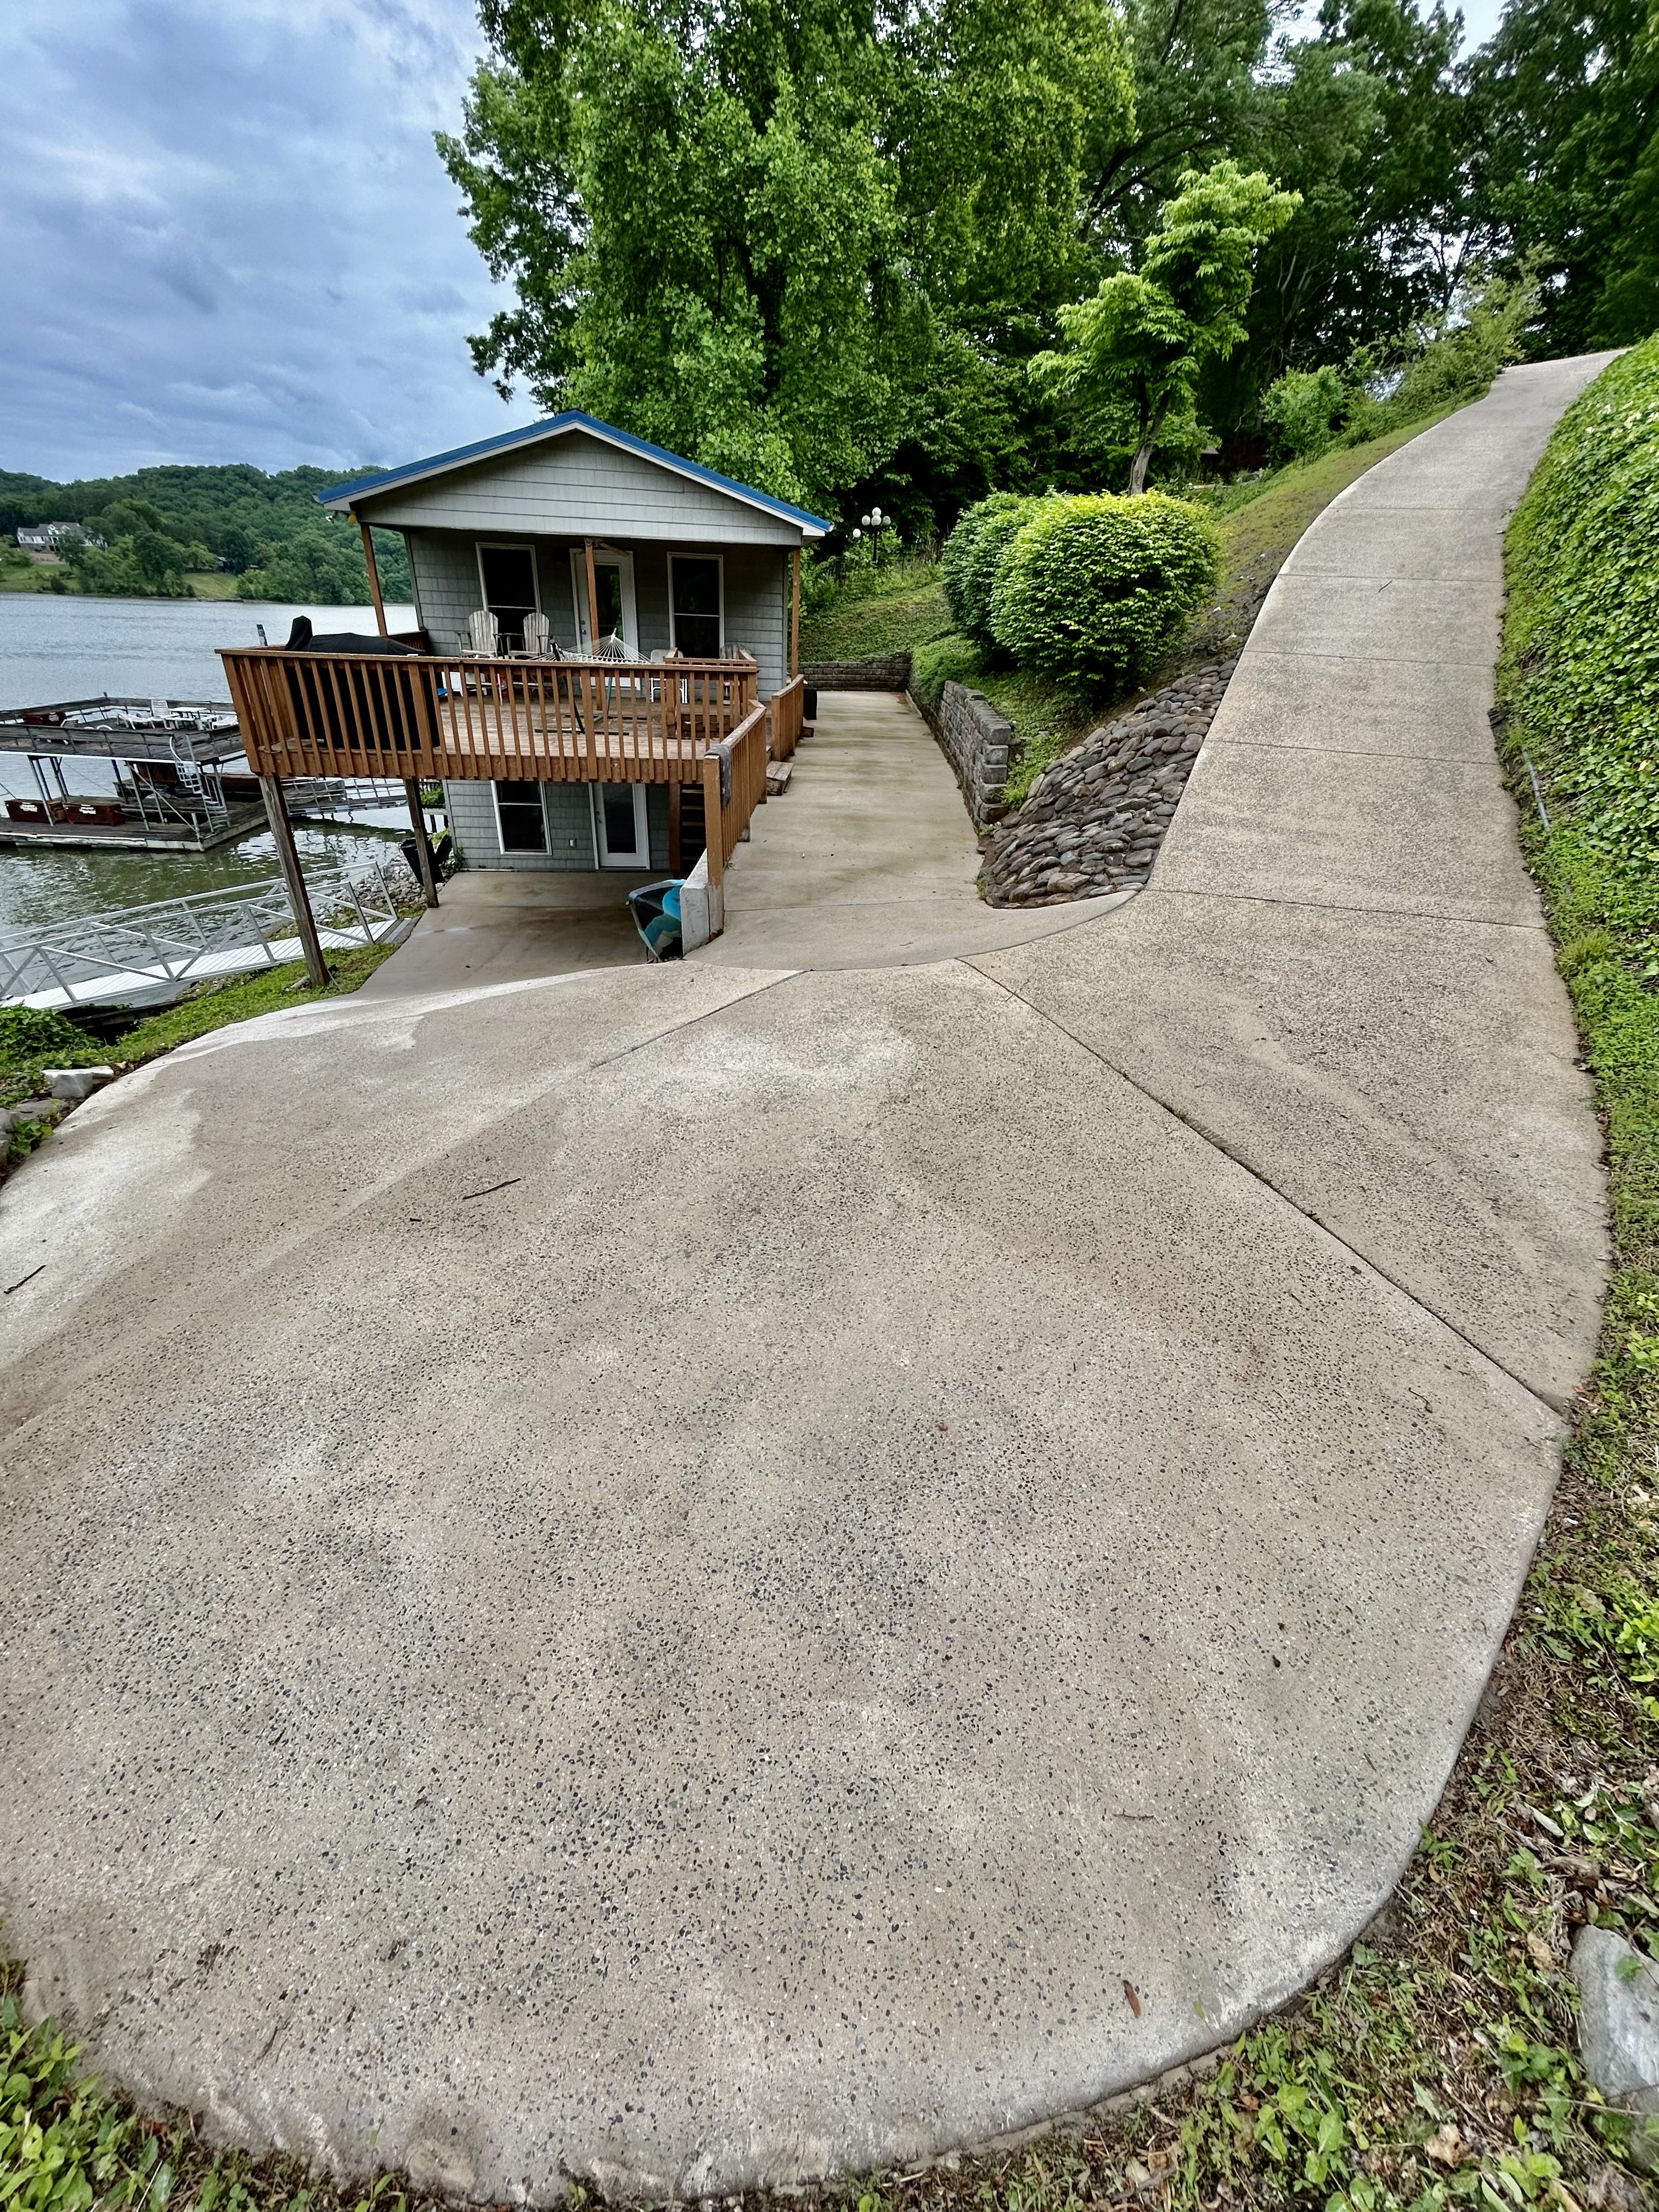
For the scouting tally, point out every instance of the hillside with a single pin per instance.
(162, 524)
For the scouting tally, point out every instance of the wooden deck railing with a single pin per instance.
(788, 710)
(362, 714)
(733, 786)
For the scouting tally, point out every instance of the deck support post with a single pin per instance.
(713, 822)
(795, 616)
(593, 600)
(373, 576)
(283, 831)
(422, 845)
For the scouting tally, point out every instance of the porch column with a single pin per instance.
(282, 830)
(373, 576)
(593, 599)
(422, 849)
(795, 616)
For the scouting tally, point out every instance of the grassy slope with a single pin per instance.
(32, 576)
(1259, 524)
(890, 621)
(204, 583)
(1434, 2065)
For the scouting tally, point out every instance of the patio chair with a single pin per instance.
(484, 636)
(539, 639)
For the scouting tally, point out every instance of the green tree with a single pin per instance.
(786, 238)
(1140, 344)
(1197, 68)
(1566, 98)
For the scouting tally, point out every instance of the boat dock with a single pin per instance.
(181, 780)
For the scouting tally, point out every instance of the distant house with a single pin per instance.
(48, 537)
(621, 547)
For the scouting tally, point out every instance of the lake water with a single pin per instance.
(74, 648)
(54, 648)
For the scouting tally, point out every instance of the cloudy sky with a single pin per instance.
(228, 235)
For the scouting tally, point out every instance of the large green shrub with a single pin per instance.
(1095, 589)
(1581, 645)
(1304, 412)
(953, 560)
(968, 566)
(951, 659)
(995, 535)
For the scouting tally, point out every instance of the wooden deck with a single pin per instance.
(344, 714)
(543, 721)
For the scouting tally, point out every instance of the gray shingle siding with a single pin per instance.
(568, 809)
(595, 490)
(444, 566)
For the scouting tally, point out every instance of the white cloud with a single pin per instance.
(230, 237)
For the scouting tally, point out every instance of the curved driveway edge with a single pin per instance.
(678, 1575)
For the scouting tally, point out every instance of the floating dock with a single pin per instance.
(182, 781)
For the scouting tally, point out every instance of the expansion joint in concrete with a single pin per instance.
(1219, 1144)
(1346, 906)
(708, 1014)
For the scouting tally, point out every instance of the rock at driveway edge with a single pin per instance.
(1618, 2030)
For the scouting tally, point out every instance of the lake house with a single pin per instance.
(599, 621)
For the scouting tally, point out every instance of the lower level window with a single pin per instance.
(518, 817)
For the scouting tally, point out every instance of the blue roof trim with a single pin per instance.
(555, 426)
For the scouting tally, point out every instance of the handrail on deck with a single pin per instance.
(450, 715)
(788, 710)
(733, 786)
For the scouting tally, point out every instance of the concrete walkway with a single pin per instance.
(678, 1573)
(504, 926)
(869, 859)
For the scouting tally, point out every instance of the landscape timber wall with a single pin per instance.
(975, 740)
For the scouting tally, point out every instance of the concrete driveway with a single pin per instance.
(678, 1574)
(869, 859)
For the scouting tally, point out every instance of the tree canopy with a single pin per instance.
(820, 243)
(789, 239)
(1136, 349)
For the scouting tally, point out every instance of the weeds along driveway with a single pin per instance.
(699, 1575)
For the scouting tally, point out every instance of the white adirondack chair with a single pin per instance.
(484, 636)
(539, 639)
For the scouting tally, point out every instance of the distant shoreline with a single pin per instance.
(199, 599)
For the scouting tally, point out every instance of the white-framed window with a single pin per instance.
(520, 818)
(613, 582)
(508, 587)
(622, 836)
(697, 604)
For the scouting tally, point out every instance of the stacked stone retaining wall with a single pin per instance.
(975, 740)
(1093, 821)
(889, 673)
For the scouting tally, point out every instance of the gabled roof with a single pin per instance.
(338, 498)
